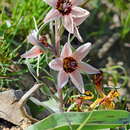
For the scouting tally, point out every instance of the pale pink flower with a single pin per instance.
(70, 64)
(72, 15)
(35, 50)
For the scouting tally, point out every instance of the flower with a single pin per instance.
(79, 101)
(69, 65)
(106, 101)
(72, 16)
(35, 41)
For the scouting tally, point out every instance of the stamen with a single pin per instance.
(43, 40)
(64, 7)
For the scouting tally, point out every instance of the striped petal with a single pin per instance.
(82, 51)
(66, 51)
(34, 52)
(87, 68)
(62, 79)
(56, 64)
(68, 23)
(79, 15)
(52, 15)
(77, 80)
(77, 34)
(32, 37)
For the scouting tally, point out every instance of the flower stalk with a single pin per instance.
(61, 105)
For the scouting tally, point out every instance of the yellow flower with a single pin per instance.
(107, 102)
(78, 101)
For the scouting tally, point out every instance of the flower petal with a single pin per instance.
(52, 15)
(56, 64)
(66, 51)
(76, 2)
(68, 23)
(79, 15)
(32, 37)
(77, 34)
(82, 51)
(34, 52)
(77, 80)
(87, 68)
(62, 79)
(51, 2)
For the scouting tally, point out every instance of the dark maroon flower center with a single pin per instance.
(43, 40)
(64, 6)
(69, 64)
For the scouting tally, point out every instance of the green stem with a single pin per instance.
(60, 100)
(84, 3)
(57, 36)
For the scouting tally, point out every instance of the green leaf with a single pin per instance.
(51, 105)
(98, 120)
(126, 25)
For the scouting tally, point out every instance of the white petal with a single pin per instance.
(79, 15)
(76, 2)
(68, 23)
(66, 51)
(32, 37)
(51, 2)
(34, 52)
(77, 80)
(77, 34)
(52, 15)
(56, 64)
(34, 33)
(62, 79)
(87, 68)
(82, 51)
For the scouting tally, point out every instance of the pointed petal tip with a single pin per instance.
(77, 34)
(66, 50)
(81, 40)
(82, 90)
(22, 56)
(88, 44)
(32, 53)
(29, 56)
(88, 68)
(32, 37)
(98, 72)
(79, 15)
(25, 55)
(82, 51)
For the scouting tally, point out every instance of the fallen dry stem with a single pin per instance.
(28, 94)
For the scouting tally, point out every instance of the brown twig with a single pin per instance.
(28, 94)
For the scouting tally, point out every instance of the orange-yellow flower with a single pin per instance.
(107, 102)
